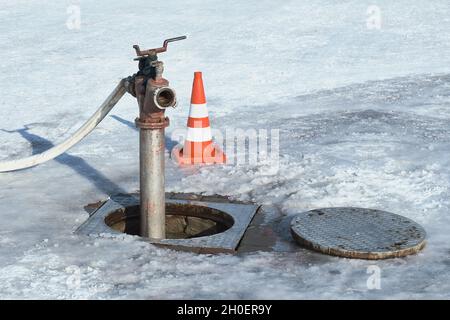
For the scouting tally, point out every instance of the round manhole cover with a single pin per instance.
(358, 233)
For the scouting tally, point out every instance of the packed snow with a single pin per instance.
(363, 114)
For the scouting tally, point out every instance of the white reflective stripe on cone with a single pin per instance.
(198, 110)
(199, 134)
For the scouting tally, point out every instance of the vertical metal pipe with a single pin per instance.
(154, 96)
(153, 202)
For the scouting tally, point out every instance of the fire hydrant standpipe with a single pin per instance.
(154, 96)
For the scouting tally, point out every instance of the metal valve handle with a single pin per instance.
(150, 52)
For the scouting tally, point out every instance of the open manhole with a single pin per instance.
(183, 221)
(191, 225)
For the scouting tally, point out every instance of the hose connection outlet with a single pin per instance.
(164, 97)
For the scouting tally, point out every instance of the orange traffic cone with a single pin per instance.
(198, 146)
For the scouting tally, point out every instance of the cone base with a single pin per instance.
(208, 154)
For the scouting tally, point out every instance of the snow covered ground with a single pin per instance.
(364, 119)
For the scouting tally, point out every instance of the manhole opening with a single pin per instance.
(183, 221)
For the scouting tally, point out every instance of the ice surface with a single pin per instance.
(364, 119)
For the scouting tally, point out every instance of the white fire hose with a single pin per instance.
(82, 132)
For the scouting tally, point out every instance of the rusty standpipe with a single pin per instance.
(154, 96)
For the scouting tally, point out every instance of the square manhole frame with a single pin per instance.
(224, 242)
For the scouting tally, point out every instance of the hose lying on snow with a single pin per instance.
(82, 132)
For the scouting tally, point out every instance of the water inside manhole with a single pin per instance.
(183, 221)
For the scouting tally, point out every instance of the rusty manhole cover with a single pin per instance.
(358, 233)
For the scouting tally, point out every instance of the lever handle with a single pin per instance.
(150, 52)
